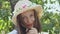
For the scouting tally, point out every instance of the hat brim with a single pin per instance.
(37, 8)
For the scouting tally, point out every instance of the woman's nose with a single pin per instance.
(29, 20)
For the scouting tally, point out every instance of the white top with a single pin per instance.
(15, 32)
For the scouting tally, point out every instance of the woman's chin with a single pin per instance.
(29, 27)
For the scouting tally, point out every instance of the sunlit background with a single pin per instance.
(50, 20)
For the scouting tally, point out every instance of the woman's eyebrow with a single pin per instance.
(23, 16)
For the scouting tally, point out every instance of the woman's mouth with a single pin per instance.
(29, 25)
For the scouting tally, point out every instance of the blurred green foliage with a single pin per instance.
(5, 16)
(50, 21)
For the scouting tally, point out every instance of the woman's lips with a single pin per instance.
(29, 25)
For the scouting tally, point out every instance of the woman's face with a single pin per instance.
(28, 18)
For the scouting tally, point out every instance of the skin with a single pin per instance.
(28, 18)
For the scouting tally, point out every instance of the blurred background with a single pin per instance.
(50, 20)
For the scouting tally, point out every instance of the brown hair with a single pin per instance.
(22, 30)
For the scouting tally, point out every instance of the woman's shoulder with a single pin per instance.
(13, 32)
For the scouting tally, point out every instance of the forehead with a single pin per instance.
(28, 12)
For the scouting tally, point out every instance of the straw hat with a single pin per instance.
(24, 5)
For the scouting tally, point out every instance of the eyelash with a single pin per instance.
(26, 17)
(31, 15)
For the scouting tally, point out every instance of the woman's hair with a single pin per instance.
(22, 30)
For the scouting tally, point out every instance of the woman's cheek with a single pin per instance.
(25, 20)
(33, 19)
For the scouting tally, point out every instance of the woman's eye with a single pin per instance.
(31, 15)
(24, 17)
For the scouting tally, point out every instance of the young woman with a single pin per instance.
(26, 17)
